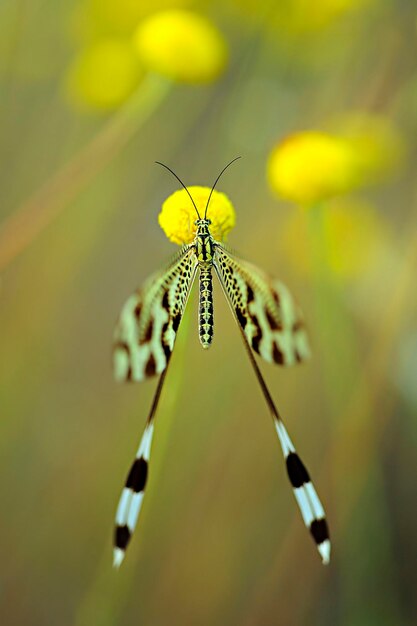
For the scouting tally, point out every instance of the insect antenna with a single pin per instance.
(216, 181)
(179, 180)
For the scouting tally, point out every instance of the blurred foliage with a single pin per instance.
(104, 75)
(298, 18)
(331, 88)
(353, 238)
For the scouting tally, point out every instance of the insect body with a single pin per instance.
(270, 323)
(204, 248)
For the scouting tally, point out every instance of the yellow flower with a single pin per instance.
(178, 215)
(311, 166)
(181, 45)
(104, 74)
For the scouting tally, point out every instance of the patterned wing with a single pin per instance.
(145, 333)
(265, 309)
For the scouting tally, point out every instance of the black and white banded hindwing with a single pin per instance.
(145, 333)
(265, 309)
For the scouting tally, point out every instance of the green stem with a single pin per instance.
(337, 340)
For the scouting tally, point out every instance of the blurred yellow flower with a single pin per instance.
(181, 45)
(104, 75)
(353, 236)
(177, 217)
(311, 166)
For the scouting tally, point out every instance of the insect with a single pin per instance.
(270, 323)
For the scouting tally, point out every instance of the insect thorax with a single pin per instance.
(204, 243)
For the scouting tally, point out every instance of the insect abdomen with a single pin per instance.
(205, 312)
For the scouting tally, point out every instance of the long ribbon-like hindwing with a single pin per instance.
(311, 508)
(130, 502)
(144, 341)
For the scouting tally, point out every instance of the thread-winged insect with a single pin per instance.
(270, 324)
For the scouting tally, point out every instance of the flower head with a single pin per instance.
(311, 166)
(178, 215)
(181, 45)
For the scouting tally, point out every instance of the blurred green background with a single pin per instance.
(85, 110)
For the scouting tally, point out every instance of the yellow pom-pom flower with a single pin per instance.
(177, 217)
(104, 74)
(311, 166)
(181, 45)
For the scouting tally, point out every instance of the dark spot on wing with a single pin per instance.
(150, 369)
(138, 474)
(167, 350)
(242, 318)
(255, 343)
(277, 355)
(148, 333)
(273, 323)
(319, 530)
(297, 471)
(122, 345)
(176, 322)
(257, 338)
(276, 297)
(165, 301)
(165, 345)
(251, 295)
(138, 310)
(121, 537)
